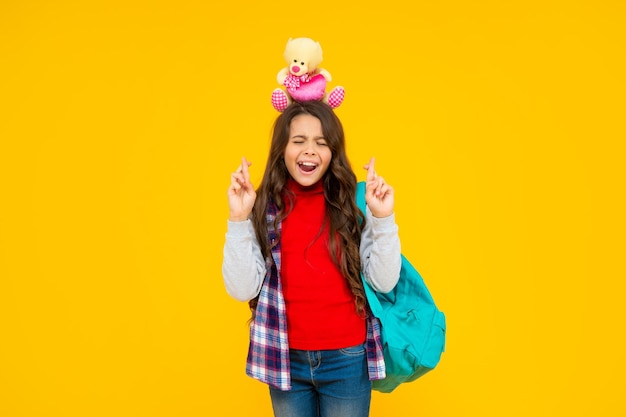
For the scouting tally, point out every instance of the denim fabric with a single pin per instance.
(325, 383)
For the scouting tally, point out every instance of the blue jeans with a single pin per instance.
(325, 383)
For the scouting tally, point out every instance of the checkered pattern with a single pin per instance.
(374, 348)
(268, 356)
(280, 101)
(335, 98)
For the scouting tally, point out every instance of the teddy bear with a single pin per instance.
(302, 78)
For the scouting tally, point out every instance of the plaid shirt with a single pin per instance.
(268, 354)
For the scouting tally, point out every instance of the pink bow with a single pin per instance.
(293, 82)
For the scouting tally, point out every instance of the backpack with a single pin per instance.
(413, 328)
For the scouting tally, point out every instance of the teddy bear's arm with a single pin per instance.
(282, 75)
(326, 74)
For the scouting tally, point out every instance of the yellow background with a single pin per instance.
(500, 124)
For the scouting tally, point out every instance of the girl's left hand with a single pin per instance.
(378, 194)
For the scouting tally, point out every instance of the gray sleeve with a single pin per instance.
(243, 266)
(380, 252)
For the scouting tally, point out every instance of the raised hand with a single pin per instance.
(241, 194)
(378, 194)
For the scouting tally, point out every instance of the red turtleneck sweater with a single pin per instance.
(321, 312)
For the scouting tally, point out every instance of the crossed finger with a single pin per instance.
(371, 172)
(241, 176)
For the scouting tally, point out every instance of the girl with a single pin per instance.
(295, 249)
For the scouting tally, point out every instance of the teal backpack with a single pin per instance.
(413, 328)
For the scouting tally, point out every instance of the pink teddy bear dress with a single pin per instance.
(305, 87)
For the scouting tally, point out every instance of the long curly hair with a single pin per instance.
(345, 219)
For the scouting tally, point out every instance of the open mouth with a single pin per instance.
(307, 166)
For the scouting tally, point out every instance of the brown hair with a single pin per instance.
(345, 219)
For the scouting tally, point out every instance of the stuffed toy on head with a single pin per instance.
(302, 78)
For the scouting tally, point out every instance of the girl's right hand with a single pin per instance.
(241, 194)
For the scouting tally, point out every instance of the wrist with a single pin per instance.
(382, 215)
(237, 218)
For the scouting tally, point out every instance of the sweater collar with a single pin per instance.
(299, 190)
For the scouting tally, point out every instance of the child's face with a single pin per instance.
(307, 155)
